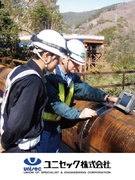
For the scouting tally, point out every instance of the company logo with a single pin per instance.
(32, 165)
(32, 161)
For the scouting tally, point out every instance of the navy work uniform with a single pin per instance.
(24, 101)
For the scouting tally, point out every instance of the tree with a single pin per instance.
(1, 5)
(8, 34)
(35, 15)
(25, 16)
(45, 15)
(40, 18)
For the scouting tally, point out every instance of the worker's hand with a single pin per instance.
(112, 99)
(87, 113)
(1, 148)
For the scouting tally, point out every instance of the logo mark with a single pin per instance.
(32, 161)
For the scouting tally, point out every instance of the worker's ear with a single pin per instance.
(45, 56)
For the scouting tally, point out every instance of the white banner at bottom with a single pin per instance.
(73, 165)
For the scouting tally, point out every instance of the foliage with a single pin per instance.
(33, 16)
(8, 34)
(108, 33)
(126, 62)
(111, 79)
(76, 19)
(26, 17)
(16, 8)
(40, 18)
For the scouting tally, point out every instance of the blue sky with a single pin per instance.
(85, 5)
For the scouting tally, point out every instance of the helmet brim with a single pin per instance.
(50, 49)
(77, 62)
(76, 59)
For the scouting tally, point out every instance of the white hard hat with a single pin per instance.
(76, 51)
(51, 41)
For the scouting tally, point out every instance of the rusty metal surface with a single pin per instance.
(111, 131)
(3, 75)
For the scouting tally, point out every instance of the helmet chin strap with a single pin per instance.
(67, 68)
(45, 63)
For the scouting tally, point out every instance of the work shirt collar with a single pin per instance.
(66, 77)
(34, 66)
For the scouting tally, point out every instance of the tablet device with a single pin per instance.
(126, 102)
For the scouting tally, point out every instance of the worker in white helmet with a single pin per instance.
(62, 86)
(25, 94)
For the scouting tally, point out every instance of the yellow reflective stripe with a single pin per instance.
(61, 92)
(54, 117)
(51, 117)
(70, 95)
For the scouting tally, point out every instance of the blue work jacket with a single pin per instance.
(82, 91)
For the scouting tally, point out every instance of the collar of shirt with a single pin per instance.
(66, 77)
(35, 67)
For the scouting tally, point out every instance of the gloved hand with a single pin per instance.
(87, 113)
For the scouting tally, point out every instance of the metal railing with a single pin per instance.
(10, 62)
(122, 84)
